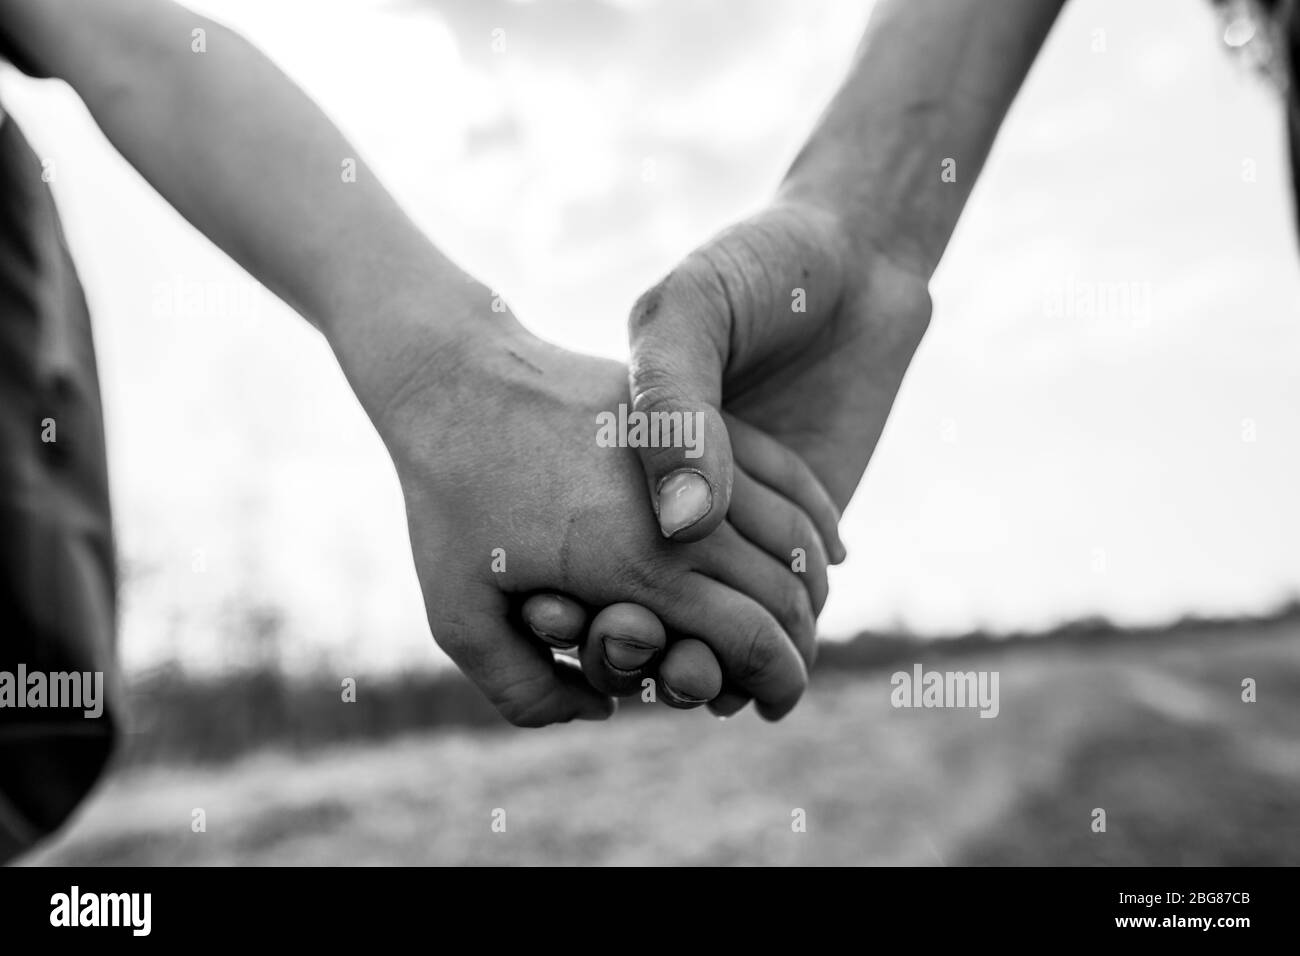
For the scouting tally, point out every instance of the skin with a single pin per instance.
(821, 381)
(769, 479)
(858, 226)
(856, 231)
(853, 235)
(688, 674)
(720, 325)
(490, 429)
(569, 517)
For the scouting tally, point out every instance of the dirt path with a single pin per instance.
(1154, 733)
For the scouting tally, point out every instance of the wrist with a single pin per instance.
(880, 221)
(415, 361)
(871, 267)
(900, 146)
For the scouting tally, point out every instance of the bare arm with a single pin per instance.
(488, 427)
(932, 81)
(857, 230)
(240, 151)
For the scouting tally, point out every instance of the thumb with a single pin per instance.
(679, 334)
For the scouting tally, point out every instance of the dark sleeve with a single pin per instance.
(11, 51)
(57, 574)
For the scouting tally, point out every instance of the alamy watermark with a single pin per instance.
(71, 690)
(1127, 301)
(129, 910)
(922, 688)
(651, 430)
(184, 298)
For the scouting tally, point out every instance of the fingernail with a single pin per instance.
(550, 638)
(674, 699)
(684, 498)
(548, 609)
(625, 654)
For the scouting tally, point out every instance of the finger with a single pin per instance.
(729, 702)
(521, 678)
(689, 675)
(785, 472)
(556, 619)
(755, 653)
(621, 648)
(729, 558)
(679, 337)
(778, 527)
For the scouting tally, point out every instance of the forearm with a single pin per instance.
(932, 81)
(239, 150)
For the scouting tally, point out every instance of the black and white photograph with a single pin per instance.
(640, 433)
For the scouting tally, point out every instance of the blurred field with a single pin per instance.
(1150, 727)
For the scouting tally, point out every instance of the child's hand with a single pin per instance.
(625, 642)
(508, 494)
(623, 648)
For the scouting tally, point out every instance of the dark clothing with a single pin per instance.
(57, 574)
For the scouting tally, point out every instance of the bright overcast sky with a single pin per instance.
(1046, 460)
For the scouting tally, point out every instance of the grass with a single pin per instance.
(1151, 728)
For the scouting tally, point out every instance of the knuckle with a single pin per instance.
(801, 533)
(791, 599)
(655, 385)
(748, 265)
(703, 274)
(648, 579)
(697, 279)
(808, 538)
(818, 591)
(765, 663)
(797, 613)
(804, 618)
(647, 310)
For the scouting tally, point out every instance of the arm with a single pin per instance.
(243, 154)
(491, 431)
(857, 228)
(933, 80)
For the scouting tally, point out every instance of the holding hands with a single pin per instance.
(787, 336)
(494, 439)
(792, 351)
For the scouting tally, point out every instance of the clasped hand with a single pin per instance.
(701, 574)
